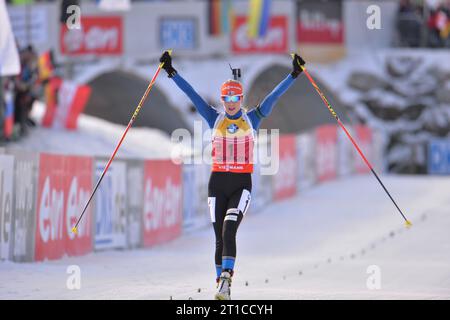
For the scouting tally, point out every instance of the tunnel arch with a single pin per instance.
(299, 109)
(115, 95)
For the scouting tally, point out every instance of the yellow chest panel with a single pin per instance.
(231, 128)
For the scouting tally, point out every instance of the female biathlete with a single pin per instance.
(230, 183)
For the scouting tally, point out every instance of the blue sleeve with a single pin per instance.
(265, 108)
(206, 111)
(255, 118)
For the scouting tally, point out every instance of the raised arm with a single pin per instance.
(205, 110)
(264, 109)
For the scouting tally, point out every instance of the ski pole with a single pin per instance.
(328, 105)
(130, 123)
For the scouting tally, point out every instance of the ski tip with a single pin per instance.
(74, 230)
(408, 224)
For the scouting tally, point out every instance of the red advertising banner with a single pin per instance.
(326, 152)
(320, 22)
(285, 181)
(99, 35)
(163, 217)
(78, 186)
(275, 41)
(364, 140)
(64, 186)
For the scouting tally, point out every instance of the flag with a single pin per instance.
(9, 114)
(9, 57)
(65, 101)
(50, 95)
(221, 17)
(45, 66)
(259, 16)
(227, 16)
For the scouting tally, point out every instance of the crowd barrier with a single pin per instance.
(142, 203)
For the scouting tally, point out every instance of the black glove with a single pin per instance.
(167, 59)
(297, 61)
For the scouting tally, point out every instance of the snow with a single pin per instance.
(95, 137)
(296, 235)
(386, 99)
(326, 233)
(389, 128)
(418, 85)
(207, 74)
(446, 85)
(335, 75)
(399, 153)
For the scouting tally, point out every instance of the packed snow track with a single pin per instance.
(328, 242)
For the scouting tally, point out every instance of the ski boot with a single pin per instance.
(223, 285)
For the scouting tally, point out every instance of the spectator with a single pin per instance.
(405, 7)
(409, 24)
(2, 110)
(25, 89)
(7, 124)
(439, 26)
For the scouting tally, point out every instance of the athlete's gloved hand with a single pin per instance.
(297, 62)
(167, 59)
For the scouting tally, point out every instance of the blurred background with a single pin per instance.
(394, 77)
(72, 73)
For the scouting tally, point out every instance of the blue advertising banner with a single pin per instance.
(439, 156)
(110, 206)
(178, 33)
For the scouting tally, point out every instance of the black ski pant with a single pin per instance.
(229, 197)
